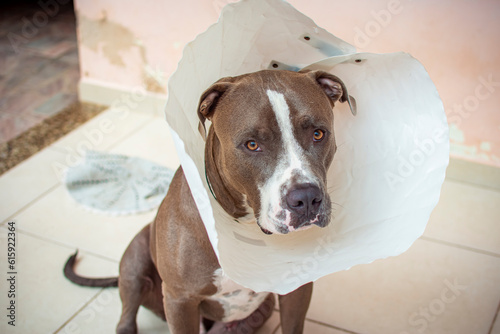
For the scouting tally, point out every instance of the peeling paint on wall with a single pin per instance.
(456, 135)
(485, 146)
(113, 40)
(482, 153)
(155, 80)
(110, 38)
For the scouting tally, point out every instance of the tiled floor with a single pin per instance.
(39, 69)
(447, 283)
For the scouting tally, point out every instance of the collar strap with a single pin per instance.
(209, 184)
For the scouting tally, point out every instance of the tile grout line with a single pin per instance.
(148, 120)
(36, 236)
(467, 248)
(330, 326)
(62, 244)
(33, 201)
(494, 319)
(131, 133)
(100, 256)
(78, 311)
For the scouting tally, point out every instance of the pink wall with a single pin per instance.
(138, 43)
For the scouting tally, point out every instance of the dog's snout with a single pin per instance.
(304, 200)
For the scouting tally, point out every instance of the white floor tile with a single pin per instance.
(152, 142)
(58, 217)
(432, 288)
(468, 216)
(102, 314)
(44, 297)
(100, 133)
(27, 181)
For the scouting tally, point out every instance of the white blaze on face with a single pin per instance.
(291, 163)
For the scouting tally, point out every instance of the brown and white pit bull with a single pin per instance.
(267, 154)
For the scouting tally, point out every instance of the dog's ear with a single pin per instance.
(209, 100)
(334, 88)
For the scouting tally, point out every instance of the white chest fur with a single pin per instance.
(238, 302)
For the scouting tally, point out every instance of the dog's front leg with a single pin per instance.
(293, 309)
(183, 315)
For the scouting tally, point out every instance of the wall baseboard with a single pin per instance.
(474, 173)
(137, 100)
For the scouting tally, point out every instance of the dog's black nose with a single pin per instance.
(304, 200)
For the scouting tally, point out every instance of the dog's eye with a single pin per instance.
(252, 146)
(318, 135)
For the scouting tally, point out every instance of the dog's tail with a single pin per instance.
(85, 281)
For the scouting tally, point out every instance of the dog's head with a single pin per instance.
(270, 146)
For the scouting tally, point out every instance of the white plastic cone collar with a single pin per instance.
(386, 175)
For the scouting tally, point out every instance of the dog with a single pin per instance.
(267, 154)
